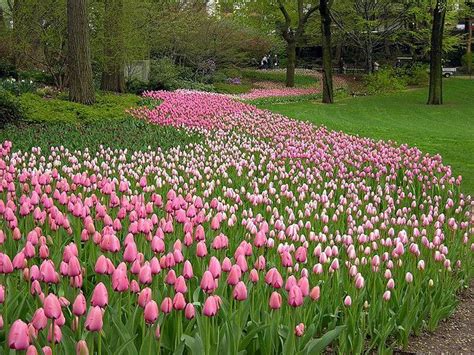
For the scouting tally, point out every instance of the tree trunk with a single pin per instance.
(81, 85)
(113, 76)
(328, 94)
(338, 54)
(290, 63)
(436, 71)
(369, 65)
(16, 35)
(469, 45)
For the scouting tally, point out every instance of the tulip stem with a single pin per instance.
(150, 341)
(99, 343)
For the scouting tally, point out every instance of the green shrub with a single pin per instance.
(10, 109)
(466, 58)
(219, 77)
(137, 87)
(384, 81)
(418, 75)
(7, 69)
(48, 92)
(37, 76)
(164, 74)
(231, 72)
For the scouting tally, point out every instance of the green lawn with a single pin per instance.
(404, 118)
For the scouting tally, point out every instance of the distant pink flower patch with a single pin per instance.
(280, 92)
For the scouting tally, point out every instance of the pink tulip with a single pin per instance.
(52, 307)
(275, 300)
(144, 297)
(254, 276)
(215, 267)
(187, 270)
(81, 348)
(201, 249)
(179, 303)
(299, 330)
(151, 312)
(167, 305)
(295, 297)
(119, 278)
(234, 275)
(210, 307)
(79, 305)
(100, 296)
(348, 301)
(144, 275)
(315, 293)
(94, 321)
(180, 285)
(386, 295)
(208, 284)
(189, 311)
(240, 291)
(274, 278)
(18, 338)
(31, 350)
(39, 320)
(54, 334)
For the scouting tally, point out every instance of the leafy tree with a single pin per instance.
(292, 34)
(37, 38)
(369, 24)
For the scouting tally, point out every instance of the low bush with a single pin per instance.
(36, 76)
(384, 81)
(137, 87)
(107, 106)
(164, 74)
(10, 109)
(7, 70)
(419, 76)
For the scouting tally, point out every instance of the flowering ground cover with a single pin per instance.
(268, 235)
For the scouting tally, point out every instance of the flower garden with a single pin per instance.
(267, 236)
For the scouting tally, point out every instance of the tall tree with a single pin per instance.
(113, 75)
(369, 24)
(435, 96)
(292, 35)
(325, 12)
(81, 85)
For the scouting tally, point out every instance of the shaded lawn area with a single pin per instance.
(405, 118)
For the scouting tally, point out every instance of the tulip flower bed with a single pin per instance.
(272, 89)
(268, 236)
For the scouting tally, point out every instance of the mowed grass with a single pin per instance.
(405, 118)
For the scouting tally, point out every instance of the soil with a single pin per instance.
(455, 335)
